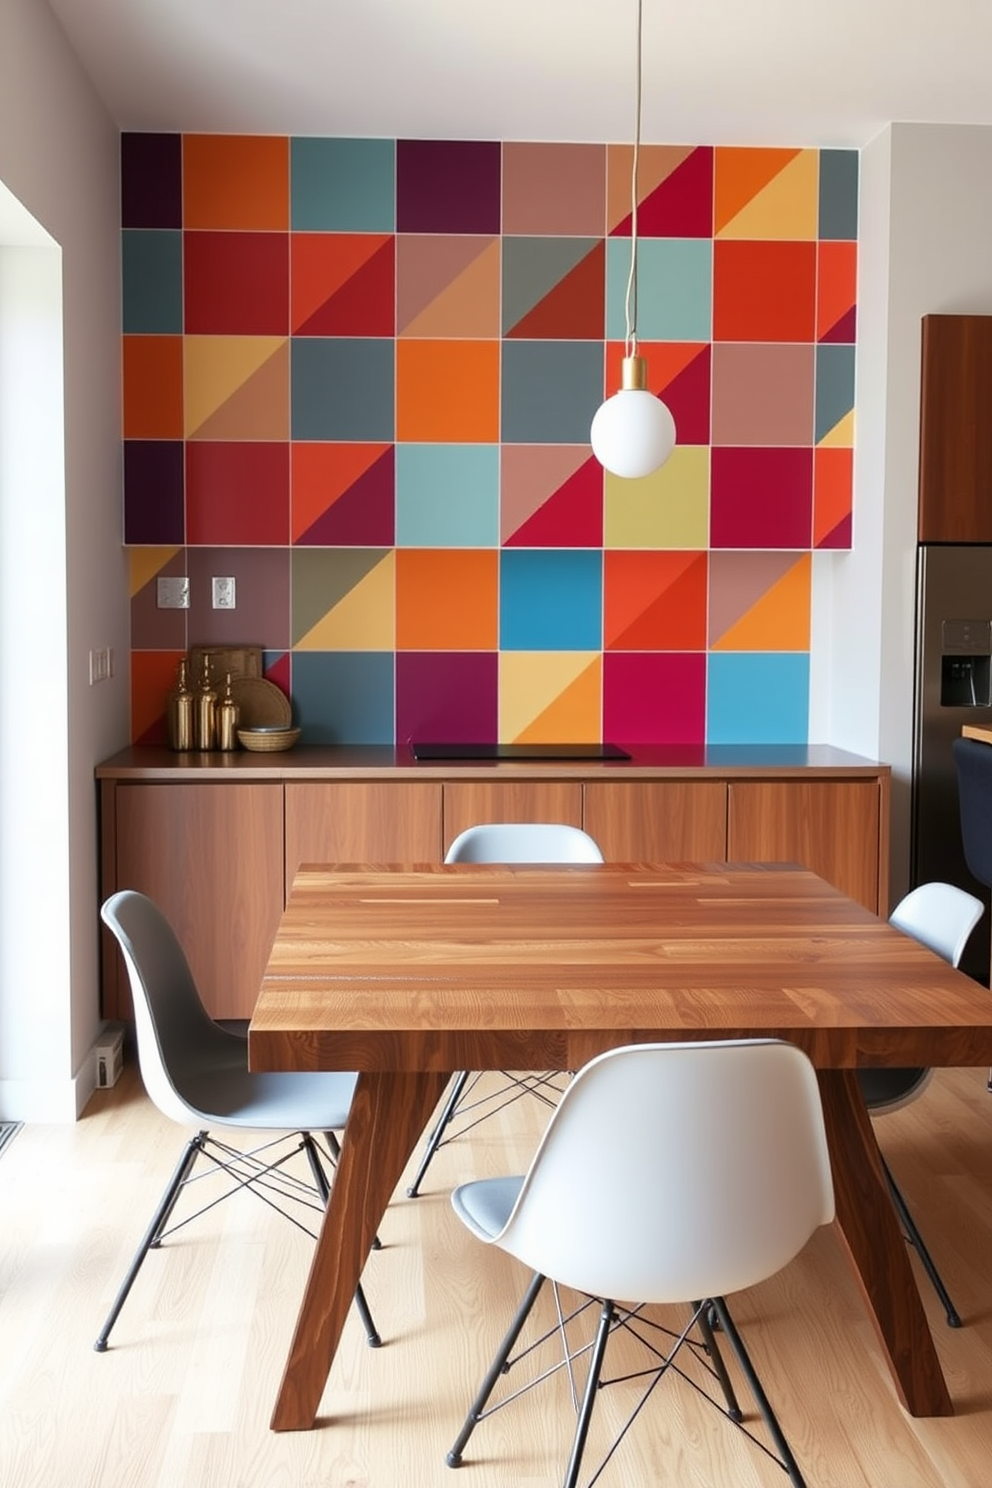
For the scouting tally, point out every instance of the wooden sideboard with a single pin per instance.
(216, 839)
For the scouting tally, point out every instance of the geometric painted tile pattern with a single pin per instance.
(359, 377)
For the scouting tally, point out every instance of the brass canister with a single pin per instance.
(228, 713)
(205, 712)
(180, 712)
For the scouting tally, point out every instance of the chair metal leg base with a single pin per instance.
(434, 1140)
(496, 1368)
(159, 1220)
(917, 1242)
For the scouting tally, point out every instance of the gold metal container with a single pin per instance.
(205, 712)
(228, 715)
(180, 712)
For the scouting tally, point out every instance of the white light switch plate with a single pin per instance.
(224, 594)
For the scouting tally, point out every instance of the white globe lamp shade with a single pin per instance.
(633, 433)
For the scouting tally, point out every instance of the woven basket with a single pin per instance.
(268, 741)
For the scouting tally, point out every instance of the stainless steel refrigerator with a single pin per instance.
(953, 687)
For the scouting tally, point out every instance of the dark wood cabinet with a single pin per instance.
(955, 496)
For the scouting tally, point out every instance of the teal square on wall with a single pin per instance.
(550, 390)
(839, 194)
(152, 281)
(344, 697)
(674, 288)
(447, 496)
(343, 388)
(550, 600)
(342, 185)
(757, 698)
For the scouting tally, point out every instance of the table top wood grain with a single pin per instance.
(434, 967)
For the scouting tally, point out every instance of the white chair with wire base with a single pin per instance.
(197, 1074)
(669, 1173)
(468, 1099)
(941, 916)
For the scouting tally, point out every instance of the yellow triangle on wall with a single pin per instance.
(779, 620)
(146, 564)
(550, 698)
(788, 207)
(841, 436)
(364, 620)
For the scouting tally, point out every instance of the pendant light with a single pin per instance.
(633, 433)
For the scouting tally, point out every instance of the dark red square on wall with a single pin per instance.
(237, 494)
(236, 283)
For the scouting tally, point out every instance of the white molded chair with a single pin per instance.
(197, 1074)
(669, 1173)
(503, 842)
(942, 917)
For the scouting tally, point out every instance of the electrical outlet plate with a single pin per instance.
(224, 594)
(101, 664)
(173, 594)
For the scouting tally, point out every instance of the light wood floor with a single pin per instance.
(183, 1397)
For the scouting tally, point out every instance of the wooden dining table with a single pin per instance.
(406, 974)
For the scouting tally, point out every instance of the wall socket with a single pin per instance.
(101, 664)
(224, 594)
(173, 594)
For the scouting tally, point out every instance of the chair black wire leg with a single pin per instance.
(324, 1189)
(335, 1147)
(916, 1240)
(496, 1368)
(434, 1140)
(703, 1310)
(768, 1415)
(589, 1395)
(151, 1236)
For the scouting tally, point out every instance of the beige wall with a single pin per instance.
(59, 157)
(925, 229)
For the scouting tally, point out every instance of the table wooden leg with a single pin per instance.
(867, 1223)
(388, 1116)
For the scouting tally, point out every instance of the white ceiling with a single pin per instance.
(794, 72)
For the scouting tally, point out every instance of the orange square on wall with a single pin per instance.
(236, 181)
(764, 291)
(447, 392)
(447, 599)
(153, 387)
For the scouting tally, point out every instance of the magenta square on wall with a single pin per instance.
(446, 697)
(237, 494)
(654, 697)
(761, 497)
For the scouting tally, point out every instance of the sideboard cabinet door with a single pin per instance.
(211, 858)
(355, 821)
(658, 821)
(830, 827)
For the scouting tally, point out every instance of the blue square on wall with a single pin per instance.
(674, 288)
(342, 185)
(344, 697)
(757, 698)
(550, 600)
(447, 496)
(152, 282)
(343, 388)
(550, 390)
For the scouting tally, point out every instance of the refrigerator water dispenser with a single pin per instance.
(965, 670)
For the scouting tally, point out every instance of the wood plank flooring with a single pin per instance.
(183, 1397)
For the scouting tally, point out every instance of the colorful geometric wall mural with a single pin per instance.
(359, 376)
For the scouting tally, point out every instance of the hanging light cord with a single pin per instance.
(630, 301)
